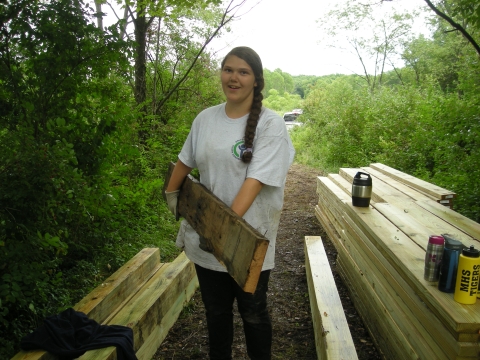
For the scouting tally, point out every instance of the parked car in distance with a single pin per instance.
(290, 116)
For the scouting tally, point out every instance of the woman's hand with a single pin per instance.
(180, 171)
(172, 201)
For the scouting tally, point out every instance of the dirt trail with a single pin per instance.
(293, 335)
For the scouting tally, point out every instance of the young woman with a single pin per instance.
(242, 151)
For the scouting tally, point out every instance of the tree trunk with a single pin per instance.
(141, 26)
(98, 7)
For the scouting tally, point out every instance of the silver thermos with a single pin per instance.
(361, 189)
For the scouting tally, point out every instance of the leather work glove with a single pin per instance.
(172, 202)
(205, 245)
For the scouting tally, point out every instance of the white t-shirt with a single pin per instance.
(214, 146)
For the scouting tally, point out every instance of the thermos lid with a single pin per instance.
(436, 240)
(471, 252)
(451, 243)
(363, 181)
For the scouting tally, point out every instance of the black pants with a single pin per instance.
(219, 291)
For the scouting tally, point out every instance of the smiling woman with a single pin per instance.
(242, 151)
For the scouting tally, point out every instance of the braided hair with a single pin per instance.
(253, 60)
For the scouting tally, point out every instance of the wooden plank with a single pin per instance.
(407, 310)
(416, 322)
(106, 298)
(466, 346)
(34, 355)
(344, 181)
(408, 259)
(418, 224)
(425, 317)
(100, 303)
(332, 335)
(373, 317)
(383, 186)
(388, 337)
(236, 244)
(160, 332)
(452, 217)
(435, 191)
(151, 304)
(385, 338)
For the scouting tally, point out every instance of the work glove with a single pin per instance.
(205, 245)
(172, 201)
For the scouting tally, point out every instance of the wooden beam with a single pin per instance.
(417, 324)
(403, 200)
(407, 258)
(332, 335)
(235, 243)
(105, 300)
(432, 190)
(151, 307)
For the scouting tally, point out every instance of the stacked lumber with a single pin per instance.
(440, 195)
(145, 295)
(381, 252)
(332, 335)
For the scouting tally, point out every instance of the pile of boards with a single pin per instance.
(145, 295)
(381, 253)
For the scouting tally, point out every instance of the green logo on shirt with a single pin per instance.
(238, 148)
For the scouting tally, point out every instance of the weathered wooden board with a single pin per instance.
(145, 311)
(332, 335)
(421, 185)
(103, 302)
(236, 244)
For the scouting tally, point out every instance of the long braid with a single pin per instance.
(252, 122)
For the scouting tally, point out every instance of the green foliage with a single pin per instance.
(421, 131)
(282, 104)
(78, 198)
(278, 80)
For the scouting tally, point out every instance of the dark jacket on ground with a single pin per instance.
(70, 334)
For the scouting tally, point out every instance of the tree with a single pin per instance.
(61, 102)
(375, 39)
(469, 12)
(162, 15)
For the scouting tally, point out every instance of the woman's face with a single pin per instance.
(238, 81)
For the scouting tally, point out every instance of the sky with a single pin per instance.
(286, 35)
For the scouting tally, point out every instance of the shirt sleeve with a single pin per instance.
(187, 154)
(272, 152)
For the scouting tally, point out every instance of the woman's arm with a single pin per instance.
(179, 173)
(244, 199)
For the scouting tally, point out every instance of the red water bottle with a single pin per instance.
(433, 256)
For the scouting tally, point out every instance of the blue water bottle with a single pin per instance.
(449, 265)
